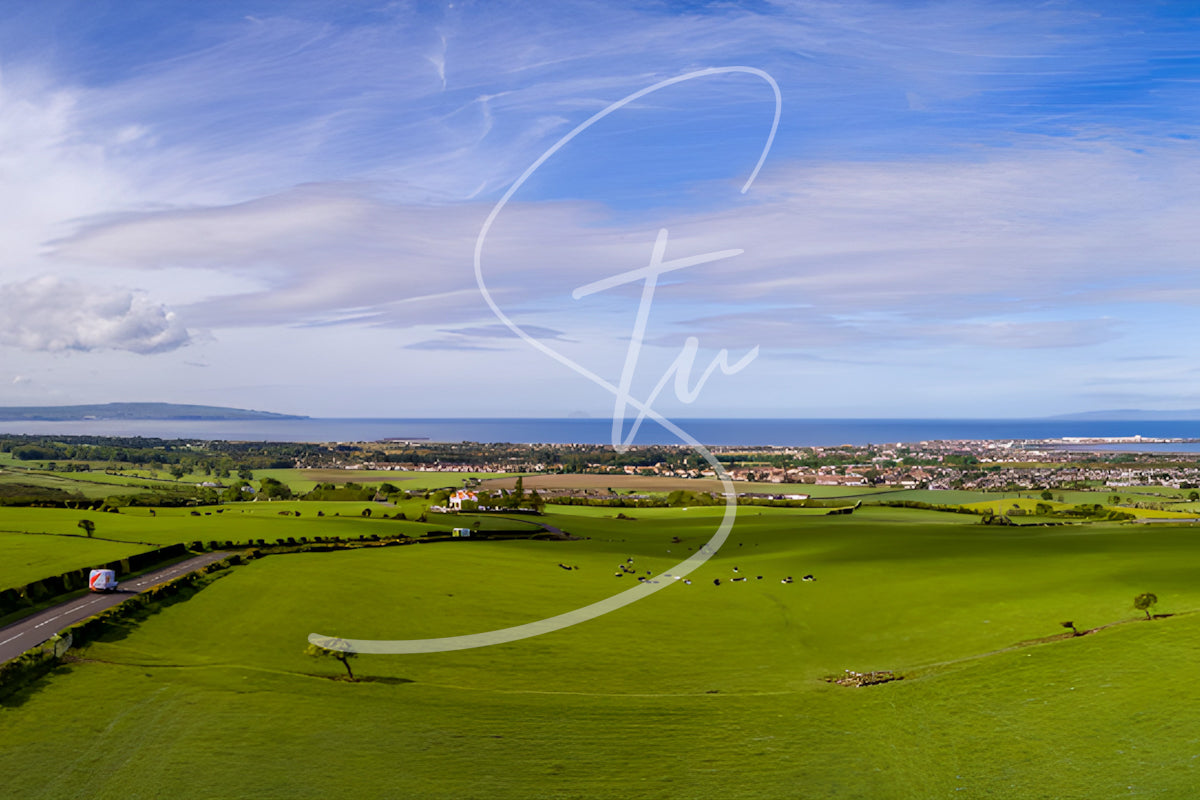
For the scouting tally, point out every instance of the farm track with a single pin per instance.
(935, 668)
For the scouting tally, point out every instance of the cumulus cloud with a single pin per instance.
(48, 314)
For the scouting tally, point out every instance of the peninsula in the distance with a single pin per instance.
(137, 411)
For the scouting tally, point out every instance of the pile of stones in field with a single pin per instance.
(852, 678)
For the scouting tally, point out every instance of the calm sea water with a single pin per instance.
(819, 432)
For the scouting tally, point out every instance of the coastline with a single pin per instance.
(710, 431)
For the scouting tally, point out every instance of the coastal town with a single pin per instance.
(988, 465)
(224, 470)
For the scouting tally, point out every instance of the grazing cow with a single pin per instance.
(689, 583)
(808, 578)
(716, 581)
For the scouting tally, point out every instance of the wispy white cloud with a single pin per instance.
(483, 337)
(836, 253)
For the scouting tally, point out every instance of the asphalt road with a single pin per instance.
(33, 630)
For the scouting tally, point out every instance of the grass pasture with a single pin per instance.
(303, 480)
(1029, 506)
(46, 480)
(698, 691)
(47, 541)
(29, 557)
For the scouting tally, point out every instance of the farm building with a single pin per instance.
(462, 496)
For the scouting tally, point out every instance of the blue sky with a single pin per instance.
(969, 209)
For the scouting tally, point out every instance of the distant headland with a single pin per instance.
(135, 411)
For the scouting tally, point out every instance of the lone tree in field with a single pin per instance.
(88, 527)
(1070, 625)
(344, 656)
(1143, 602)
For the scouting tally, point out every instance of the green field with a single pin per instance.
(302, 480)
(48, 480)
(40, 542)
(28, 557)
(698, 691)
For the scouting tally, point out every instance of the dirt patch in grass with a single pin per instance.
(860, 679)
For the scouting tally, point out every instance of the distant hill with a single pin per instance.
(134, 411)
(1134, 415)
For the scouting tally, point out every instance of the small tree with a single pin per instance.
(517, 496)
(88, 527)
(1070, 625)
(1193, 496)
(1144, 601)
(1047, 495)
(344, 656)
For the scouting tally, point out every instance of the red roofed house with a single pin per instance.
(461, 496)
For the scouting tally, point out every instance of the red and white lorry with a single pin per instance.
(102, 580)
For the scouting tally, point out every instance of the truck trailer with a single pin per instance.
(102, 580)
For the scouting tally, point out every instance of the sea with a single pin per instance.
(748, 432)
